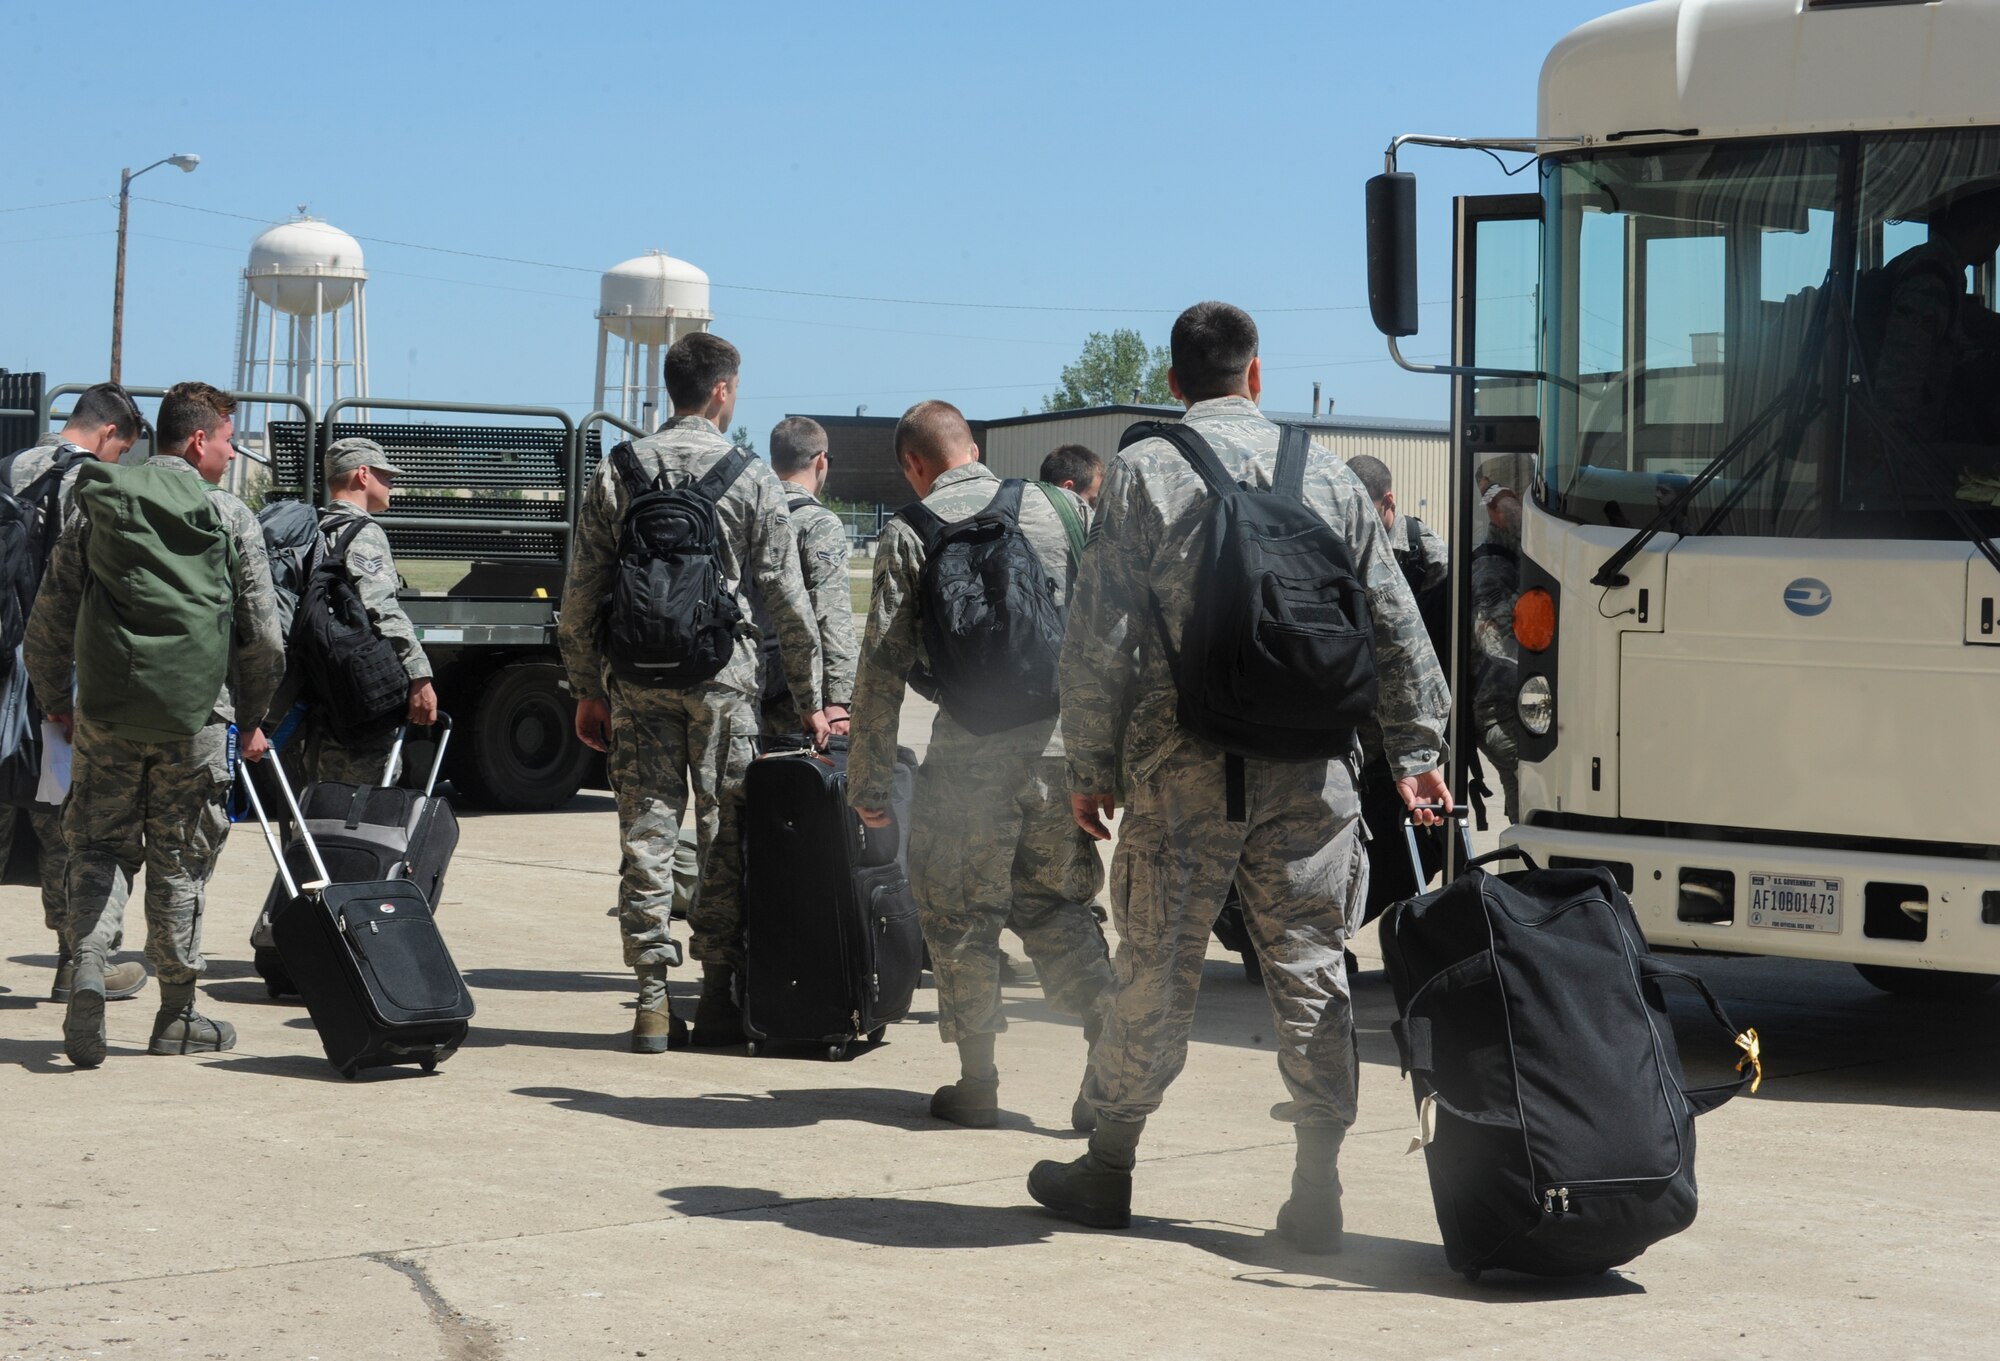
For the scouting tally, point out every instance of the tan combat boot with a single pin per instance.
(179, 1029)
(120, 980)
(655, 1028)
(1310, 1221)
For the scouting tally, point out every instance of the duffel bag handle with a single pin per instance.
(1750, 1067)
(1504, 853)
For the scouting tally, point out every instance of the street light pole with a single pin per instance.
(185, 162)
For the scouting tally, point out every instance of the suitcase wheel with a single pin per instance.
(272, 991)
(751, 1049)
(429, 1065)
(1471, 1274)
(836, 1052)
(875, 1035)
(350, 1073)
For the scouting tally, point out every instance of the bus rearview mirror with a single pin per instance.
(1392, 253)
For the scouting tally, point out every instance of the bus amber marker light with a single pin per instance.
(1535, 620)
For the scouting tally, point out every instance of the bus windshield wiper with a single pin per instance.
(1799, 414)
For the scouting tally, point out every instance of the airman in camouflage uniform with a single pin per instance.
(360, 476)
(798, 456)
(660, 741)
(992, 843)
(162, 806)
(1295, 858)
(103, 424)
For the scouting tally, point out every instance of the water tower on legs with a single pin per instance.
(304, 324)
(645, 304)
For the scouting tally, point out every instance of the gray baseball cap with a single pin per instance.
(354, 452)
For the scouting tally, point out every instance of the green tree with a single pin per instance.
(741, 435)
(1113, 368)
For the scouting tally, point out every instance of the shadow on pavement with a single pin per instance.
(310, 1068)
(41, 1056)
(554, 980)
(887, 1106)
(1370, 1263)
(492, 1037)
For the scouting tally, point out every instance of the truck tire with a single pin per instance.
(521, 753)
(1937, 985)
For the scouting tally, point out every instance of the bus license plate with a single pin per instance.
(1795, 902)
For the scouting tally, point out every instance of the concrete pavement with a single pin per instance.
(547, 1194)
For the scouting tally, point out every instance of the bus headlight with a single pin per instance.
(1536, 704)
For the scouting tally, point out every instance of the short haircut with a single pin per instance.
(1374, 475)
(795, 442)
(1212, 345)
(103, 404)
(1071, 463)
(931, 431)
(189, 407)
(695, 364)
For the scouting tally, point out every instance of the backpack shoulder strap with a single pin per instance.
(1191, 446)
(337, 545)
(625, 459)
(924, 521)
(1006, 503)
(1071, 525)
(1288, 475)
(723, 475)
(797, 504)
(1410, 535)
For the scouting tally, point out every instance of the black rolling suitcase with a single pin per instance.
(377, 980)
(1557, 1125)
(364, 833)
(832, 950)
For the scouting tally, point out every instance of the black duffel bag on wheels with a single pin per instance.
(1557, 1125)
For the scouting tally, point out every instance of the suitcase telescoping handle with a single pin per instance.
(271, 833)
(1457, 817)
(437, 758)
(298, 820)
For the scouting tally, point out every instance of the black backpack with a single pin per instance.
(1277, 660)
(670, 617)
(351, 670)
(1556, 1122)
(295, 545)
(29, 524)
(1433, 602)
(992, 626)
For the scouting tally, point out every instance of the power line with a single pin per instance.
(59, 203)
(777, 292)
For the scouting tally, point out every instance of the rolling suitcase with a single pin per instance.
(832, 951)
(1556, 1123)
(377, 980)
(364, 833)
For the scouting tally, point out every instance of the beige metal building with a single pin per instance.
(1417, 452)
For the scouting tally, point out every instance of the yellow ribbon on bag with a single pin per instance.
(1753, 1055)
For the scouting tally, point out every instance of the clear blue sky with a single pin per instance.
(1110, 163)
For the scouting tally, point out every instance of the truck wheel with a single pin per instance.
(1937, 985)
(521, 751)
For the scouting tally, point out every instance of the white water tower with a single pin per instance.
(646, 304)
(303, 327)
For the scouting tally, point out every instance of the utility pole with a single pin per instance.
(185, 162)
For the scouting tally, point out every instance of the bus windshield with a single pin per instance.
(1814, 317)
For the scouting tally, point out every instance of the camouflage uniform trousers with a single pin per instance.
(160, 806)
(328, 758)
(992, 845)
(46, 819)
(1299, 865)
(665, 743)
(1500, 739)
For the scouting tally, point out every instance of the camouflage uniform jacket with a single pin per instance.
(43, 455)
(757, 544)
(257, 660)
(894, 641)
(372, 569)
(823, 555)
(1142, 550)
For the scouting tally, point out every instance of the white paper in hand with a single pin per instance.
(54, 787)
